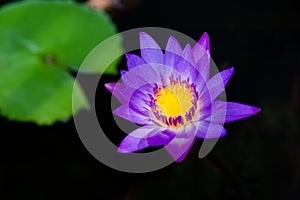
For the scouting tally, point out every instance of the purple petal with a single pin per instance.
(136, 140)
(172, 52)
(187, 70)
(117, 89)
(139, 100)
(123, 72)
(188, 55)
(127, 92)
(169, 63)
(147, 42)
(173, 46)
(170, 58)
(201, 47)
(183, 132)
(125, 112)
(216, 85)
(159, 137)
(182, 142)
(179, 147)
(203, 65)
(204, 41)
(188, 58)
(226, 74)
(142, 75)
(231, 111)
(208, 130)
(111, 86)
(205, 108)
(150, 50)
(134, 61)
(182, 62)
(201, 53)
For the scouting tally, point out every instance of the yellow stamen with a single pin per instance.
(174, 105)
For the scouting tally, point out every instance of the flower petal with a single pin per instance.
(188, 55)
(201, 47)
(208, 130)
(201, 53)
(119, 91)
(186, 70)
(182, 142)
(125, 112)
(205, 108)
(231, 111)
(150, 50)
(123, 72)
(110, 86)
(179, 147)
(173, 46)
(159, 137)
(139, 100)
(115, 87)
(203, 66)
(176, 65)
(216, 85)
(134, 61)
(140, 76)
(136, 140)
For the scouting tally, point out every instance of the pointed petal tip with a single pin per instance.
(204, 41)
(123, 72)
(123, 147)
(121, 150)
(150, 49)
(173, 41)
(223, 133)
(128, 55)
(202, 47)
(226, 74)
(230, 70)
(180, 159)
(256, 110)
(110, 86)
(205, 35)
(173, 46)
(147, 41)
(253, 110)
(132, 56)
(237, 111)
(142, 34)
(172, 38)
(188, 46)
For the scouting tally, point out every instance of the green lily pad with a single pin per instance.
(40, 44)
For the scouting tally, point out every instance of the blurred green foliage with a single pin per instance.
(41, 42)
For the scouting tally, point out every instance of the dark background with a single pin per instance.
(259, 158)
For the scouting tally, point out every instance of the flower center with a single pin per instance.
(175, 105)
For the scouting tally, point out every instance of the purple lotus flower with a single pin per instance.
(171, 95)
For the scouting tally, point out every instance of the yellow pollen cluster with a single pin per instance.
(175, 105)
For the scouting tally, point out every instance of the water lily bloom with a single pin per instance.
(173, 98)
